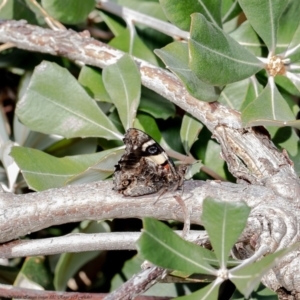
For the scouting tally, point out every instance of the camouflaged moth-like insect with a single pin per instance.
(145, 168)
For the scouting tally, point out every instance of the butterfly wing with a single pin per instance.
(145, 168)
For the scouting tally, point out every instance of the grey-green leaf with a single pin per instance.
(69, 11)
(239, 94)
(135, 45)
(247, 278)
(43, 171)
(176, 58)
(293, 51)
(288, 24)
(230, 9)
(91, 79)
(189, 131)
(179, 12)
(103, 168)
(248, 38)
(210, 292)
(171, 251)
(224, 222)
(212, 159)
(268, 107)
(10, 166)
(217, 58)
(264, 17)
(122, 81)
(56, 103)
(260, 293)
(156, 105)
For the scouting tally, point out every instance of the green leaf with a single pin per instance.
(286, 86)
(100, 170)
(224, 223)
(248, 38)
(217, 58)
(150, 8)
(134, 45)
(293, 50)
(210, 292)
(268, 108)
(115, 27)
(69, 147)
(230, 10)
(171, 138)
(288, 24)
(43, 171)
(246, 278)
(294, 78)
(148, 124)
(156, 105)
(122, 81)
(193, 169)
(10, 166)
(69, 263)
(179, 12)
(17, 10)
(264, 17)
(69, 11)
(91, 79)
(35, 273)
(237, 95)
(176, 58)
(171, 251)
(55, 103)
(212, 158)
(189, 131)
(261, 293)
(287, 138)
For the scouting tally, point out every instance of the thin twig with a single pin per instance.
(137, 284)
(52, 23)
(9, 291)
(80, 242)
(6, 46)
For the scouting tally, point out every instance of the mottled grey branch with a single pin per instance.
(274, 187)
(96, 201)
(80, 242)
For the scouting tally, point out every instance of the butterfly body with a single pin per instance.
(145, 168)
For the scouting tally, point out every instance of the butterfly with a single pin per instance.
(145, 168)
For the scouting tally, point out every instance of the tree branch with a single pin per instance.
(249, 153)
(9, 291)
(96, 201)
(80, 242)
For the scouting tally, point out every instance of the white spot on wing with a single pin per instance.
(147, 144)
(158, 159)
